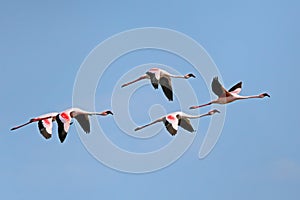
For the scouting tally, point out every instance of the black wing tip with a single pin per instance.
(167, 92)
(47, 136)
(62, 139)
(172, 131)
(169, 98)
(62, 136)
(239, 84)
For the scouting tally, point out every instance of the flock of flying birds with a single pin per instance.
(171, 121)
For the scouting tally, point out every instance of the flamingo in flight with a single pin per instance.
(173, 120)
(63, 120)
(160, 77)
(44, 124)
(229, 96)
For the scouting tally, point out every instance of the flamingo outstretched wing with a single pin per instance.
(171, 124)
(218, 88)
(186, 124)
(45, 127)
(63, 123)
(166, 86)
(84, 122)
(237, 88)
(153, 79)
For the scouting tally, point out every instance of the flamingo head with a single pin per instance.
(189, 76)
(108, 112)
(264, 95)
(213, 112)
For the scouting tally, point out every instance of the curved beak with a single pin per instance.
(192, 75)
(108, 112)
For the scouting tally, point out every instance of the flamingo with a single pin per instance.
(64, 119)
(173, 120)
(44, 124)
(160, 77)
(229, 96)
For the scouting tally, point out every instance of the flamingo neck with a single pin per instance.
(196, 116)
(248, 97)
(177, 76)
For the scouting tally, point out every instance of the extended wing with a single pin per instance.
(186, 124)
(236, 88)
(166, 85)
(45, 127)
(83, 120)
(218, 89)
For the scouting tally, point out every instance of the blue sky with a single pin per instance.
(257, 157)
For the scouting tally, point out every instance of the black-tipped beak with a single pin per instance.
(193, 107)
(267, 95)
(192, 75)
(213, 112)
(109, 112)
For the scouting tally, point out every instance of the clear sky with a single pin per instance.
(43, 44)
